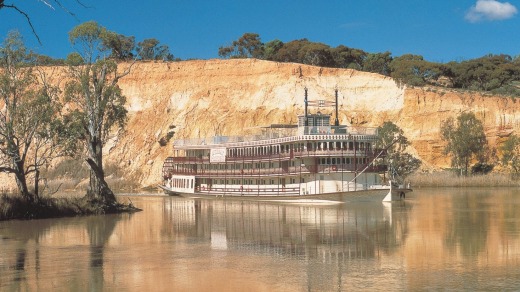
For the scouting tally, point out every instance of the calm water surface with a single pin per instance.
(437, 239)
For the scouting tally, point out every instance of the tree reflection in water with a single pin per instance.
(99, 229)
(24, 271)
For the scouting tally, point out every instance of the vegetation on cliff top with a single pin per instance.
(495, 73)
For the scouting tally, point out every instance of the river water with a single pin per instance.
(437, 239)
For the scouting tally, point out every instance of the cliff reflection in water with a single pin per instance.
(344, 231)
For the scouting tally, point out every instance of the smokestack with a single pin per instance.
(305, 102)
(336, 122)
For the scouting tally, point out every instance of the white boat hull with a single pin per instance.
(380, 194)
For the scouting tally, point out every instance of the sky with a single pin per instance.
(440, 31)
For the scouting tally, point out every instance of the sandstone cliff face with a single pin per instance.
(230, 97)
(233, 97)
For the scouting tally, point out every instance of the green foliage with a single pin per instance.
(149, 49)
(486, 73)
(271, 49)
(87, 38)
(481, 168)
(248, 45)
(391, 138)
(42, 60)
(74, 59)
(402, 165)
(414, 70)
(511, 153)
(378, 63)
(496, 73)
(120, 46)
(316, 54)
(98, 104)
(465, 140)
(28, 137)
(346, 57)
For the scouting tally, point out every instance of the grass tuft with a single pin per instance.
(450, 179)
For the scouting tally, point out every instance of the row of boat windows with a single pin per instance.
(298, 147)
(247, 181)
(287, 148)
(343, 160)
(241, 166)
(265, 165)
(181, 183)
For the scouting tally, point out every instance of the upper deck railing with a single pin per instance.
(283, 135)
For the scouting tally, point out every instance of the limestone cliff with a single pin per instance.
(229, 97)
(232, 97)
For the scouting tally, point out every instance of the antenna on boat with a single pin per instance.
(336, 121)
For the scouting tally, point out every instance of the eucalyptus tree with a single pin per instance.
(97, 102)
(378, 63)
(121, 46)
(511, 154)
(465, 139)
(151, 49)
(391, 139)
(28, 116)
(249, 45)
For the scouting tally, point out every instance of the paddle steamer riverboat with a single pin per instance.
(308, 161)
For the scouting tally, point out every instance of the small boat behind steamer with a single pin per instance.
(312, 160)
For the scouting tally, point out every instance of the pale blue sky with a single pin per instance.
(441, 31)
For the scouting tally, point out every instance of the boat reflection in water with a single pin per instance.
(179, 244)
(318, 235)
(325, 245)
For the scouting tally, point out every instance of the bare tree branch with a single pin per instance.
(26, 17)
(58, 3)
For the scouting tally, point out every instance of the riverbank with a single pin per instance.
(450, 179)
(16, 207)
